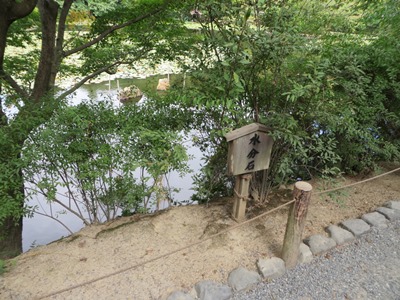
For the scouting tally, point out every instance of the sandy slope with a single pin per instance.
(105, 250)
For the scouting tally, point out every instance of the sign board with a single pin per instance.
(249, 149)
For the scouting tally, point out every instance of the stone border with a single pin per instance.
(268, 269)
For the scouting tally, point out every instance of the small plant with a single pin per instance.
(338, 196)
(6, 265)
(2, 267)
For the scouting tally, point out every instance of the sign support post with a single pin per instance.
(242, 183)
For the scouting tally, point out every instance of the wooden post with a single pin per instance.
(295, 224)
(242, 183)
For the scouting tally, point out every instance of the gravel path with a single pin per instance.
(368, 268)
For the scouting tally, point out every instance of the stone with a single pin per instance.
(179, 295)
(375, 219)
(305, 254)
(390, 214)
(241, 279)
(393, 205)
(131, 93)
(319, 244)
(271, 268)
(163, 84)
(340, 235)
(209, 290)
(356, 226)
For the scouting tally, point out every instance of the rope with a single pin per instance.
(162, 256)
(72, 287)
(356, 183)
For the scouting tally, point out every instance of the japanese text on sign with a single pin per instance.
(249, 149)
(253, 152)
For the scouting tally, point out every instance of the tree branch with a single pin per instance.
(18, 9)
(17, 88)
(60, 38)
(3, 117)
(55, 219)
(101, 70)
(87, 78)
(114, 28)
(59, 202)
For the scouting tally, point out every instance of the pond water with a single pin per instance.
(41, 230)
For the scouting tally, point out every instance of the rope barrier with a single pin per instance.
(164, 255)
(72, 287)
(356, 183)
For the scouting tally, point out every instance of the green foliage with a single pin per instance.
(165, 40)
(90, 152)
(339, 196)
(306, 69)
(23, 40)
(211, 182)
(6, 265)
(96, 7)
(2, 267)
(324, 17)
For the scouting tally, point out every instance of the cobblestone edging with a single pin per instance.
(241, 279)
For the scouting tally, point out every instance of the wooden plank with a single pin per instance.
(245, 156)
(237, 133)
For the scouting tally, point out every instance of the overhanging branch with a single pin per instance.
(99, 71)
(17, 88)
(114, 28)
(87, 78)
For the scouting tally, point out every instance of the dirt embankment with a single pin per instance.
(111, 251)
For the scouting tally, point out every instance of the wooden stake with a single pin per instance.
(295, 224)
(242, 183)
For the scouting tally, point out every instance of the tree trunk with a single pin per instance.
(11, 242)
(12, 204)
(48, 10)
(11, 140)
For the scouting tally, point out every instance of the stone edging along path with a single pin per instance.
(241, 279)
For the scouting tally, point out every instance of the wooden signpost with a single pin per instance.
(249, 150)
